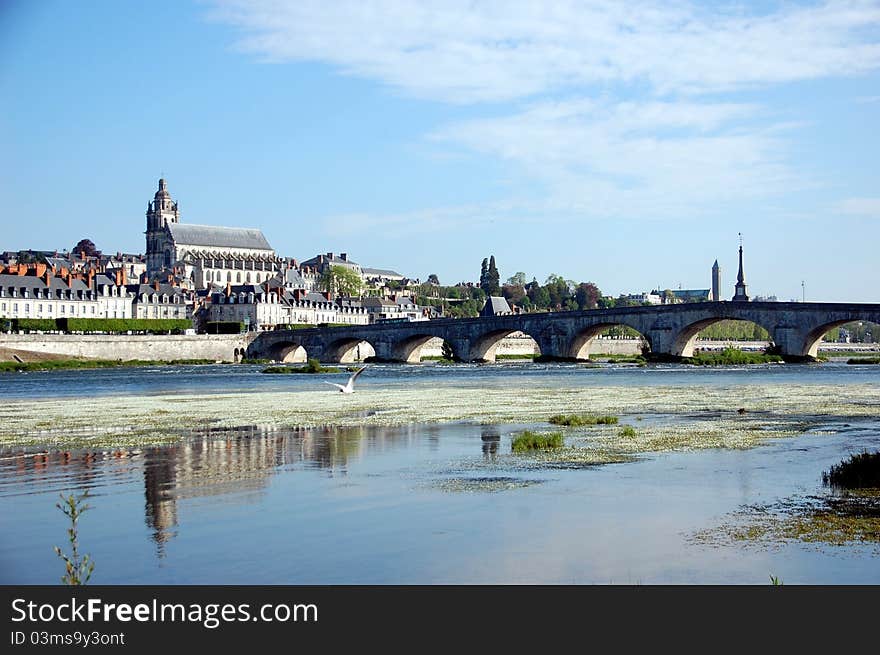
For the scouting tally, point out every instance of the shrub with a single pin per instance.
(34, 324)
(117, 325)
(529, 440)
(627, 432)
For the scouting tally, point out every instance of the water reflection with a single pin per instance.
(491, 438)
(214, 462)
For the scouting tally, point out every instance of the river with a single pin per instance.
(376, 497)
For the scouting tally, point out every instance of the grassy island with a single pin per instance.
(731, 357)
(313, 366)
(577, 420)
(529, 440)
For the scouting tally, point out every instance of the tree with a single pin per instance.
(518, 279)
(539, 296)
(492, 279)
(340, 280)
(587, 295)
(86, 246)
(559, 290)
(514, 293)
(484, 274)
(433, 279)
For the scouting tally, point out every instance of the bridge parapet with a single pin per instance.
(670, 330)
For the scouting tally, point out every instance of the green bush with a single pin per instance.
(627, 431)
(34, 324)
(122, 325)
(529, 440)
(224, 327)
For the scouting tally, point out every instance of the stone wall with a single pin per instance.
(126, 347)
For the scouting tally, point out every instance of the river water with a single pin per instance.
(418, 503)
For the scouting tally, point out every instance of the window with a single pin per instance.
(48, 308)
(62, 309)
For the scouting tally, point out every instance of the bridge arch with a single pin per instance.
(288, 352)
(409, 349)
(686, 339)
(582, 343)
(484, 347)
(813, 337)
(348, 350)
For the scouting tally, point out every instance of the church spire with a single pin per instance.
(740, 288)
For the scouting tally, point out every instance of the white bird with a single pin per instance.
(349, 386)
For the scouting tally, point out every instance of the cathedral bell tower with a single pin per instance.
(160, 212)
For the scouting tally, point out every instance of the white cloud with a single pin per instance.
(869, 207)
(466, 51)
(648, 160)
(641, 130)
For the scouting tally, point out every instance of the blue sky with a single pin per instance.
(622, 143)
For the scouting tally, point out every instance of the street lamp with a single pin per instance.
(803, 292)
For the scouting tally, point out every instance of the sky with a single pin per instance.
(627, 144)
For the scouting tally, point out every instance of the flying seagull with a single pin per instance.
(349, 386)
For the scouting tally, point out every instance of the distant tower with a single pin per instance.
(716, 282)
(160, 212)
(740, 287)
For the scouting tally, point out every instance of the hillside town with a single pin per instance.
(206, 274)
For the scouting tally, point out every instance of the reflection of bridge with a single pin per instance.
(795, 328)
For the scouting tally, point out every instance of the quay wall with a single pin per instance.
(220, 347)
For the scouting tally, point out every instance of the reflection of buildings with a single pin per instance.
(225, 461)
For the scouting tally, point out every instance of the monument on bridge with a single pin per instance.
(740, 294)
(716, 282)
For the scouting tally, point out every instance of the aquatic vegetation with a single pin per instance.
(858, 472)
(529, 440)
(312, 366)
(577, 420)
(619, 359)
(484, 484)
(863, 360)
(732, 357)
(820, 521)
(78, 569)
(627, 432)
(707, 420)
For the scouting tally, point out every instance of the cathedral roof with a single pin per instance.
(212, 236)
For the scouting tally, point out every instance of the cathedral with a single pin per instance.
(202, 256)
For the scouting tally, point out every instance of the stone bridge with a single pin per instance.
(669, 330)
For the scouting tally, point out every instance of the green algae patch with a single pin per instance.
(833, 520)
(483, 484)
(578, 420)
